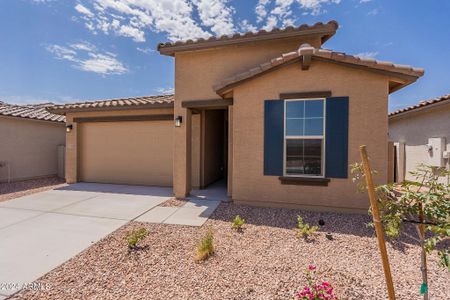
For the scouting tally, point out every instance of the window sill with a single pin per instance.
(304, 180)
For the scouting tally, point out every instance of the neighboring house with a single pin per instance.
(272, 112)
(29, 140)
(421, 134)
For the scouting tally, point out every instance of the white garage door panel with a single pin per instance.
(131, 152)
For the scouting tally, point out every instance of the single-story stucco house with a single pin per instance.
(421, 134)
(275, 114)
(29, 140)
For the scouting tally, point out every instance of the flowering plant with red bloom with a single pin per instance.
(315, 291)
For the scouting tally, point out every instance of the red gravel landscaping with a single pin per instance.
(22, 188)
(265, 261)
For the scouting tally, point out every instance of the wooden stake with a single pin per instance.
(423, 255)
(377, 222)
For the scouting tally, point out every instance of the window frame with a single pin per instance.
(314, 137)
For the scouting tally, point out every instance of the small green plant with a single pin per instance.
(205, 247)
(135, 237)
(237, 223)
(303, 229)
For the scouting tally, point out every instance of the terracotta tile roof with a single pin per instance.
(422, 104)
(320, 54)
(119, 103)
(326, 30)
(31, 111)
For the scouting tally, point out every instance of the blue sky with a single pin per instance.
(66, 51)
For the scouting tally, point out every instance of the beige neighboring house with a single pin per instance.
(274, 114)
(30, 139)
(421, 134)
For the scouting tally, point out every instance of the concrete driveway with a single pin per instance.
(41, 231)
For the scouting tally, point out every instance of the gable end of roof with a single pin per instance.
(407, 73)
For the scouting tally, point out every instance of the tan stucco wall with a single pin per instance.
(30, 147)
(368, 94)
(195, 75)
(414, 129)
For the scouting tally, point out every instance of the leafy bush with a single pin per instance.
(205, 247)
(315, 291)
(303, 229)
(135, 237)
(237, 223)
(425, 201)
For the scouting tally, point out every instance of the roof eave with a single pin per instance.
(64, 111)
(418, 109)
(326, 32)
(405, 78)
(33, 119)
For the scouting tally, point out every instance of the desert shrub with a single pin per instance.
(238, 222)
(205, 247)
(304, 229)
(135, 237)
(423, 201)
(315, 290)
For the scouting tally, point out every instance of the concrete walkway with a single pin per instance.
(39, 232)
(195, 212)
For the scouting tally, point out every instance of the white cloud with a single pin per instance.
(246, 26)
(280, 12)
(87, 57)
(165, 90)
(188, 19)
(369, 54)
(145, 50)
(314, 7)
(130, 31)
(261, 10)
(365, 1)
(83, 46)
(173, 17)
(216, 14)
(102, 64)
(83, 10)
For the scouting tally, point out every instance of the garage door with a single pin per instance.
(129, 152)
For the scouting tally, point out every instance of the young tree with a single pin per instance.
(425, 202)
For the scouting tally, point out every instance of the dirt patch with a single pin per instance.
(265, 261)
(22, 188)
(174, 202)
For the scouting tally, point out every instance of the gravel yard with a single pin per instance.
(22, 188)
(266, 261)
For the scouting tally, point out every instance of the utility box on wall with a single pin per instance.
(436, 148)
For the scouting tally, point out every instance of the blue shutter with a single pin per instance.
(336, 148)
(273, 137)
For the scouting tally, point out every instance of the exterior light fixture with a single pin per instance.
(69, 127)
(178, 121)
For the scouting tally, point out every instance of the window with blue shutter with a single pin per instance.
(306, 137)
(336, 149)
(273, 137)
